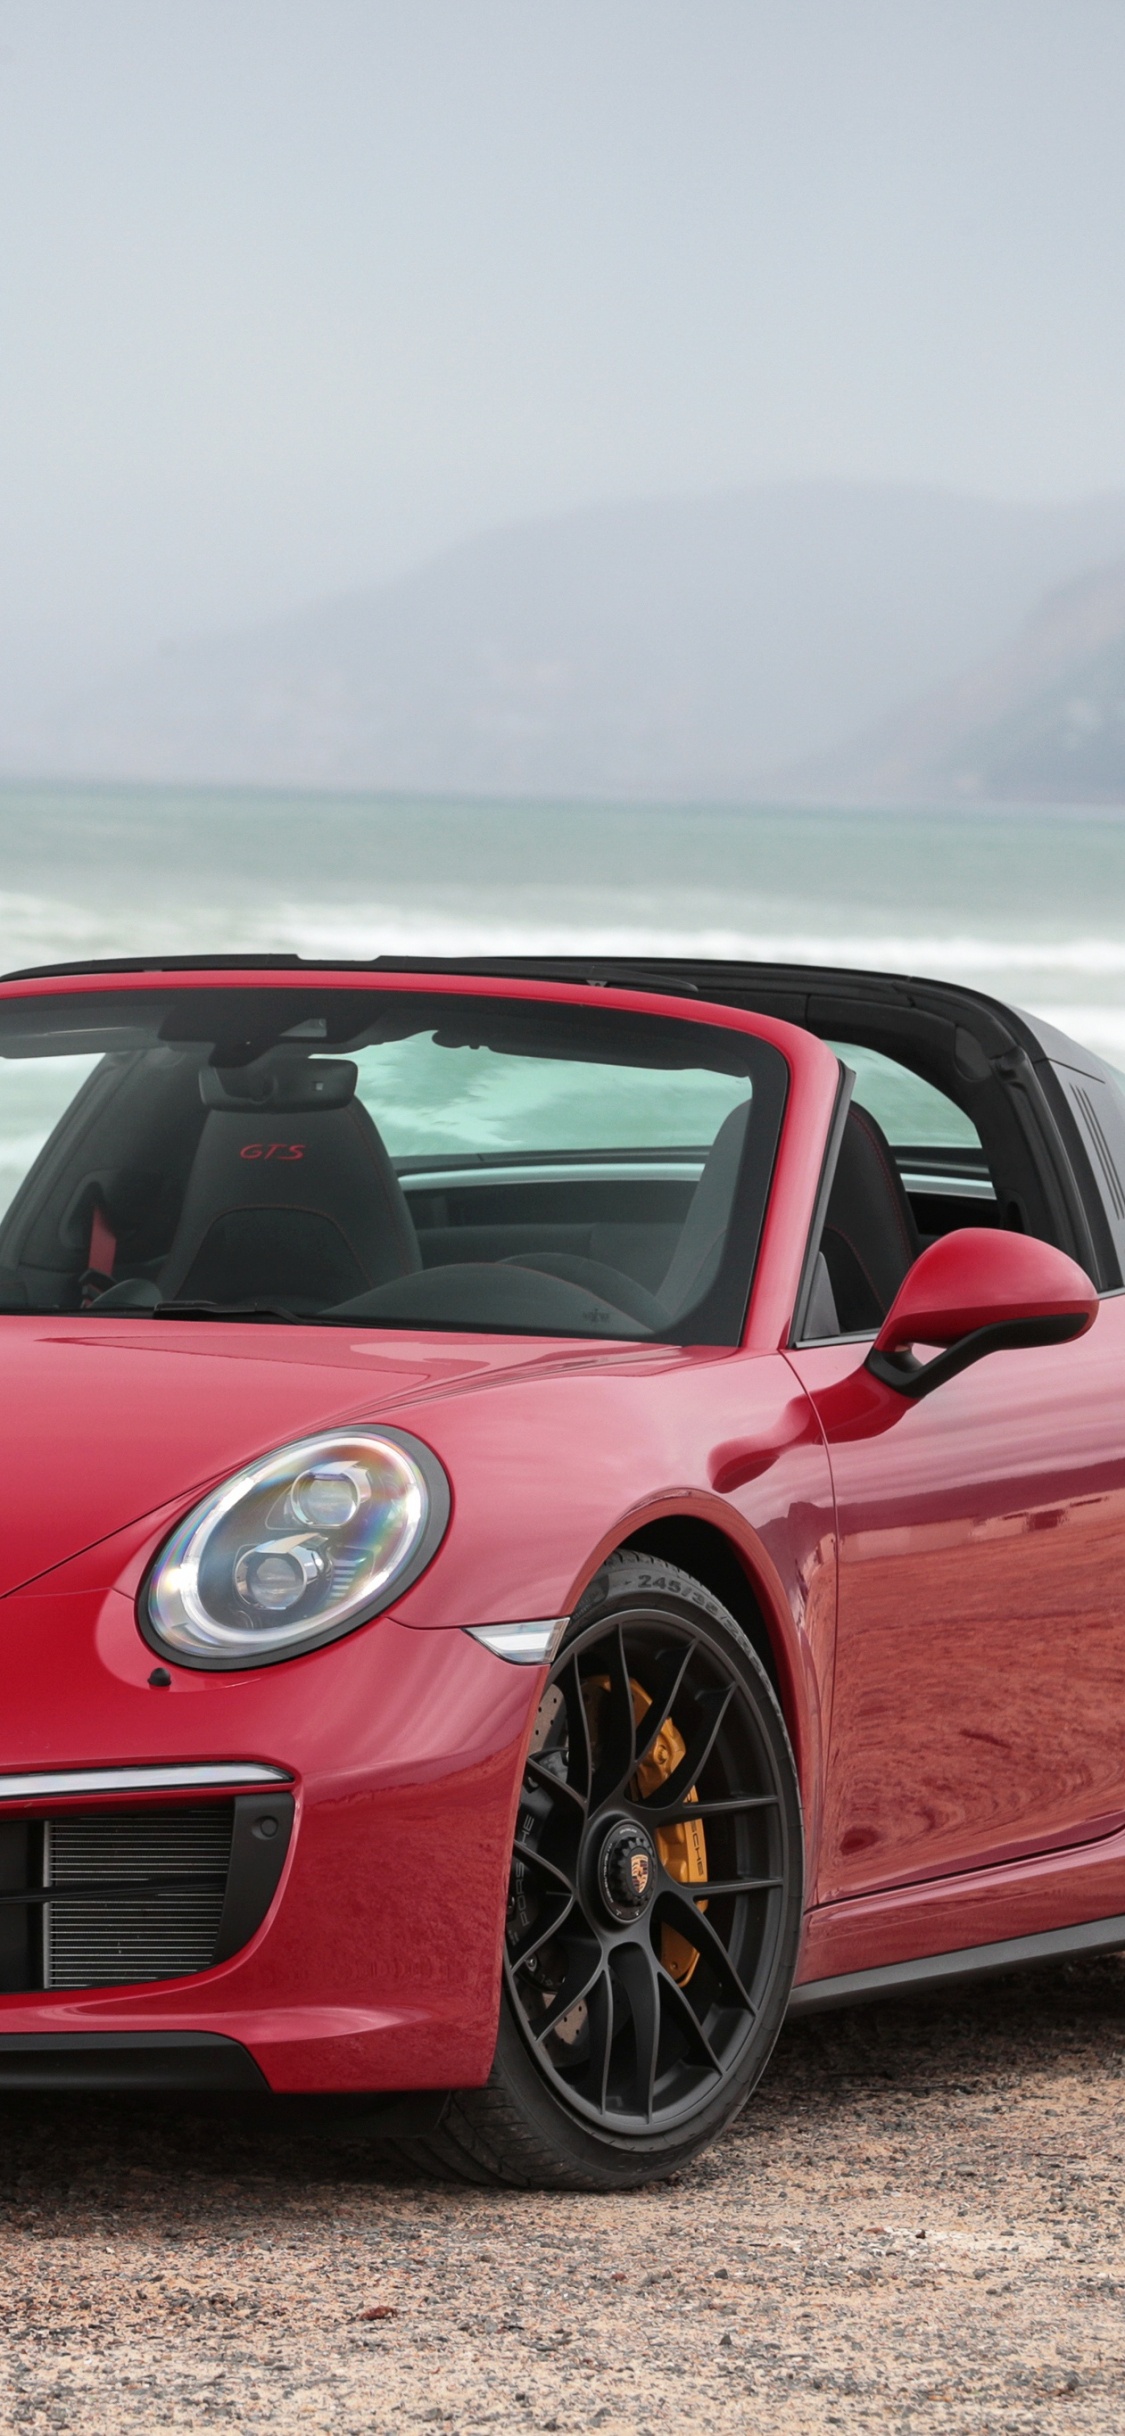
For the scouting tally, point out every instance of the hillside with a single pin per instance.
(1041, 721)
(693, 649)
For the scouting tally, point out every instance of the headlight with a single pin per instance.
(296, 1550)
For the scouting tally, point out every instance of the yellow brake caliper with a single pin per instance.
(683, 1848)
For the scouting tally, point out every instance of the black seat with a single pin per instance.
(694, 1265)
(870, 1239)
(289, 1200)
(695, 1261)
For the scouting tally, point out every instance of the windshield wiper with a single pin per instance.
(234, 1311)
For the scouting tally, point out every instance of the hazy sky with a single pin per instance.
(293, 290)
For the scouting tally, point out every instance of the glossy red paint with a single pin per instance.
(981, 1278)
(115, 1420)
(954, 1723)
(379, 1963)
(1025, 1898)
(980, 1656)
(399, 1742)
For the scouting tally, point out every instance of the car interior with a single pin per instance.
(268, 1184)
(197, 1211)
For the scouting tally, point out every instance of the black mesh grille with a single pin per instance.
(178, 1860)
(96, 1898)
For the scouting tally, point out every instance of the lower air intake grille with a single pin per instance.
(100, 1898)
(178, 1862)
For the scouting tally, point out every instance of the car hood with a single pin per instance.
(101, 1428)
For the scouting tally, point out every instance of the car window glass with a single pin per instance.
(34, 1093)
(384, 1157)
(912, 1113)
(424, 1098)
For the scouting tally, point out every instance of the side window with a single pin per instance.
(913, 1114)
(937, 1149)
(911, 1167)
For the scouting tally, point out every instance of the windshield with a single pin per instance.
(388, 1158)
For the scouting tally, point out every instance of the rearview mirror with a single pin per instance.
(974, 1292)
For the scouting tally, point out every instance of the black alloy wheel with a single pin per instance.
(655, 1898)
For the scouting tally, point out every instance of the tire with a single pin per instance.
(637, 2016)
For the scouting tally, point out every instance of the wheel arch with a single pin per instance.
(700, 1545)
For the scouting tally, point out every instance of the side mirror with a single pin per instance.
(974, 1292)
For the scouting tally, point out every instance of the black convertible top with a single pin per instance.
(795, 993)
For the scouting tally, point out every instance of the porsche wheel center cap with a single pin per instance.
(626, 1871)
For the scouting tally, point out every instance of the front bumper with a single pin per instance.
(377, 1964)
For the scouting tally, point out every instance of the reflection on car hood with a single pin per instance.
(102, 1426)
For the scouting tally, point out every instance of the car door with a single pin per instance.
(979, 1698)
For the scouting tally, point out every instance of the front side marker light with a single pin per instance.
(522, 1644)
(296, 1550)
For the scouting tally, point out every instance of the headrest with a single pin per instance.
(284, 1083)
(278, 1207)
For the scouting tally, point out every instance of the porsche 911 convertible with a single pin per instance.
(554, 1514)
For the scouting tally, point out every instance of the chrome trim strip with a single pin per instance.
(608, 1171)
(187, 1778)
(954, 1188)
(521, 1644)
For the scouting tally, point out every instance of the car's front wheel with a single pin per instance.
(655, 1898)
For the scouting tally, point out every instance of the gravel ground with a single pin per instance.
(918, 2225)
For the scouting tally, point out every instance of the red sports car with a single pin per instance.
(554, 1514)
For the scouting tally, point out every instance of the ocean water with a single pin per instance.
(1029, 905)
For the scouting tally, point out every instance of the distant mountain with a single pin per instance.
(1041, 721)
(667, 651)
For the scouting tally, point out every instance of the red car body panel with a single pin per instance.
(406, 1739)
(980, 1655)
(955, 1723)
